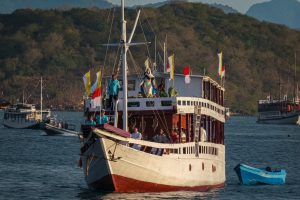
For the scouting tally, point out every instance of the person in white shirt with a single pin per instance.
(203, 135)
(136, 135)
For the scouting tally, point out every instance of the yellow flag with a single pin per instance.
(220, 55)
(171, 63)
(87, 83)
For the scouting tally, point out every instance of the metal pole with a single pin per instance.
(124, 68)
(41, 99)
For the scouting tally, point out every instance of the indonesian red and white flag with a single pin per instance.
(96, 92)
(186, 73)
(223, 71)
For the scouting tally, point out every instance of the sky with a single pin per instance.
(240, 5)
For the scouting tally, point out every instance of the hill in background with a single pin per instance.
(8, 6)
(62, 45)
(285, 12)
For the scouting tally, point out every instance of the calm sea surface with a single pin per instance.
(36, 166)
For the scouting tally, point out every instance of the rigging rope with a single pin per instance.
(106, 52)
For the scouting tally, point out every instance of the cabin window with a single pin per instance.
(188, 103)
(184, 103)
(150, 103)
(133, 104)
(202, 166)
(179, 103)
(131, 85)
(166, 103)
(184, 150)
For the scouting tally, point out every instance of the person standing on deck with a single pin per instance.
(103, 119)
(136, 135)
(113, 90)
(202, 134)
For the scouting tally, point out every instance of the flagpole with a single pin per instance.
(165, 53)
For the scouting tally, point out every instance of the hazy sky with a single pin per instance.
(240, 5)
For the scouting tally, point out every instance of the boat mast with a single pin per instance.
(295, 77)
(124, 67)
(41, 99)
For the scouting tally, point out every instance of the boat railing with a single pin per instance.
(205, 148)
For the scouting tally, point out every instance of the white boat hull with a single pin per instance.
(53, 130)
(291, 118)
(112, 166)
(20, 125)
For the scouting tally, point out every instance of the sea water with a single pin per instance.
(36, 166)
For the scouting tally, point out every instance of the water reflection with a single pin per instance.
(154, 196)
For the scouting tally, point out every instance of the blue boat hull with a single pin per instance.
(253, 176)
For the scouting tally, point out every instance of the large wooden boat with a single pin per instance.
(109, 161)
(278, 111)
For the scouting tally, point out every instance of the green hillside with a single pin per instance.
(62, 45)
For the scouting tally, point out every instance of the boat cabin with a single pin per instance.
(174, 107)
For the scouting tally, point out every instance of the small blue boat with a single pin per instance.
(253, 176)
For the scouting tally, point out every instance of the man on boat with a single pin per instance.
(159, 138)
(174, 136)
(103, 119)
(113, 90)
(136, 135)
(202, 134)
(91, 121)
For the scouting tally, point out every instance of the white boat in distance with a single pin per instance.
(22, 116)
(111, 164)
(26, 116)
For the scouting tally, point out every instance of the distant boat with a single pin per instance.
(253, 176)
(278, 112)
(4, 104)
(26, 116)
(22, 116)
(55, 127)
(281, 111)
(227, 113)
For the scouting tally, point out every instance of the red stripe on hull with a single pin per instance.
(118, 183)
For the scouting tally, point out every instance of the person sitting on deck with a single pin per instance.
(174, 136)
(103, 119)
(172, 92)
(183, 136)
(161, 89)
(159, 138)
(90, 122)
(136, 135)
(147, 83)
